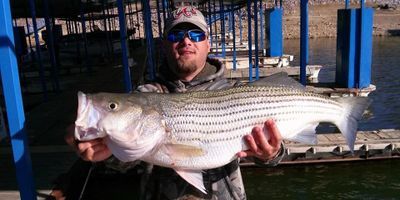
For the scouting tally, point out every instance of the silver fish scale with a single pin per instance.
(207, 117)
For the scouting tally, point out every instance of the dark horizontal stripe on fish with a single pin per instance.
(212, 120)
(246, 123)
(232, 108)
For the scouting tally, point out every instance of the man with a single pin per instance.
(187, 68)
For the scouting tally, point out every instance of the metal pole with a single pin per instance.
(223, 34)
(215, 27)
(14, 105)
(164, 7)
(210, 23)
(124, 46)
(249, 40)
(29, 40)
(234, 34)
(303, 40)
(256, 38)
(50, 45)
(38, 50)
(346, 4)
(262, 26)
(362, 4)
(240, 27)
(149, 39)
(83, 22)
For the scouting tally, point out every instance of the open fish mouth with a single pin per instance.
(86, 127)
(85, 134)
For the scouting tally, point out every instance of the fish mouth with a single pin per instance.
(85, 134)
(86, 127)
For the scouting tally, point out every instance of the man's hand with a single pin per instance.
(93, 150)
(260, 146)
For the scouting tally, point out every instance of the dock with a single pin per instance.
(243, 73)
(332, 147)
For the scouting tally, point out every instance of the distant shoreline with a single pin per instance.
(323, 20)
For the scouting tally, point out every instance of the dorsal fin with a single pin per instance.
(280, 79)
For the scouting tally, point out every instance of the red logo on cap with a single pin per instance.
(186, 11)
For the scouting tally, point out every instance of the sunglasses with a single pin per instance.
(195, 35)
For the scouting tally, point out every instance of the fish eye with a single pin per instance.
(112, 106)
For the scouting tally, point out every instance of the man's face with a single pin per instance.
(186, 57)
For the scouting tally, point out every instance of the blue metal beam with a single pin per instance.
(14, 105)
(256, 38)
(124, 46)
(50, 45)
(303, 40)
(234, 35)
(240, 27)
(223, 33)
(249, 40)
(209, 23)
(149, 39)
(215, 28)
(262, 38)
(32, 8)
(83, 23)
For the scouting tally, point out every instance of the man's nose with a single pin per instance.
(186, 41)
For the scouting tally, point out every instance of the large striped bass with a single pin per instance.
(193, 131)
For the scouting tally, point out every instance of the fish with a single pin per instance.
(198, 130)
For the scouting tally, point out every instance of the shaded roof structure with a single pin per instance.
(72, 8)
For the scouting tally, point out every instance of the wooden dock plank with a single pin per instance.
(334, 143)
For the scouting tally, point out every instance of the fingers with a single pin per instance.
(93, 150)
(263, 143)
(275, 137)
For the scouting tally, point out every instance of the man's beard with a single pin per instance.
(184, 67)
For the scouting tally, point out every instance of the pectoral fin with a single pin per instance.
(183, 151)
(195, 178)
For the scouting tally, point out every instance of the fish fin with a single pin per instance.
(280, 79)
(182, 151)
(307, 135)
(354, 108)
(195, 178)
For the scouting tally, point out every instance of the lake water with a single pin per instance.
(355, 180)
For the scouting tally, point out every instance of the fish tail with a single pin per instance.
(354, 108)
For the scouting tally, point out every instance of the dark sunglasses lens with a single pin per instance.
(175, 36)
(197, 36)
(179, 35)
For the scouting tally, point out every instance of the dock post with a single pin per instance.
(50, 44)
(149, 39)
(273, 32)
(354, 47)
(32, 8)
(303, 40)
(124, 46)
(14, 105)
(210, 23)
(249, 40)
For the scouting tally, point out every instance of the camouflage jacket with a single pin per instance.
(164, 183)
